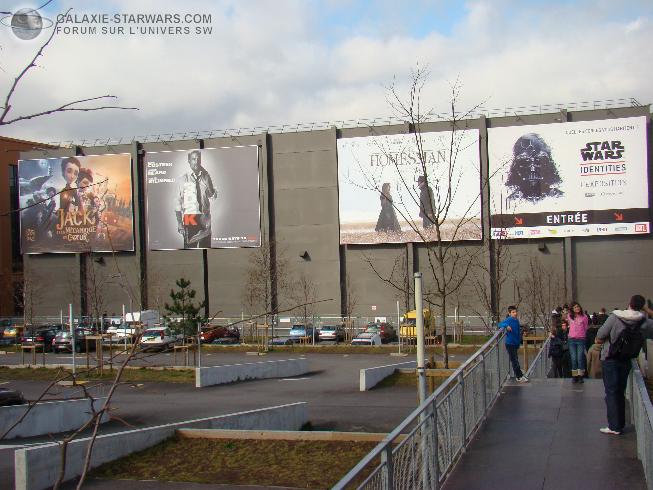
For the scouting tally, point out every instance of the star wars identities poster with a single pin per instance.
(203, 198)
(569, 179)
(383, 197)
(76, 204)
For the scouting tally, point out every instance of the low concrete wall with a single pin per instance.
(49, 417)
(37, 467)
(208, 376)
(370, 377)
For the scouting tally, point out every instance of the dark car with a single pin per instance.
(226, 341)
(211, 334)
(385, 330)
(10, 335)
(43, 336)
(280, 341)
(10, 397)
(63, 341)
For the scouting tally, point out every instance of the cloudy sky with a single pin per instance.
(282, 62)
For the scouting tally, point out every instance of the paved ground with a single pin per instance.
(545, 435)
(331, 390)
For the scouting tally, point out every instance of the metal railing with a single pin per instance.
(642, 417)
(424, 448)
(540, 366)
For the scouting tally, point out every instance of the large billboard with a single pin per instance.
(76, 204)
(384, 198)
(205, 198)
(569, 179)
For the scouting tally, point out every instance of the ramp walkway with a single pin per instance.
(545, 435)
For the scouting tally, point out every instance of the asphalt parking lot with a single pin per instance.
(331, 390)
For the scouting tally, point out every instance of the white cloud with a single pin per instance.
(270, 63)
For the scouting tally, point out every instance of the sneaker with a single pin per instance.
(608, 430)
(523, 379)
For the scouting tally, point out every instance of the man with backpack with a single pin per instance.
(622, 339)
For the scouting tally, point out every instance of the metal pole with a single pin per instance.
(199, 345)
(388, 465)
(72, 334)
(419, 316)
(399, 327)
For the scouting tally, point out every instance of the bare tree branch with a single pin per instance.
(70, 106)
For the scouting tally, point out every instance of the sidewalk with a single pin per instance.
(545, 435)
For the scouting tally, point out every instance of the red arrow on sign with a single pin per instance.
(619, 216)
(519, 221)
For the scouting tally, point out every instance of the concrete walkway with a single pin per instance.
(545, 435)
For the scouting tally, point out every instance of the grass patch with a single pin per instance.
(310, 464)
(128, 375)
(400, 379)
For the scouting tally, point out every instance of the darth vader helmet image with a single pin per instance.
(533, 175)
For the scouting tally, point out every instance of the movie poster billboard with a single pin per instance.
(76, 204)
(205, 198)
(383, 197)
(569, 179)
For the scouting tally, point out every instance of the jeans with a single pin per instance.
(577, 352)
(514, 360)
(615, 378)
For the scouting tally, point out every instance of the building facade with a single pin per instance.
(299, 216)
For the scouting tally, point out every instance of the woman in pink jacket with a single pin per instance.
(578, 322)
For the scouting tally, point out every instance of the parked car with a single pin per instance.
(332, 332)
(43, 336)
(209, 334)
(11, 397)
(367, 338)
(226, 341)
(280, 341)
(298, 332)
(118, 333)
(158, 338)
(63, 341)
(385, 330)
(11, 335)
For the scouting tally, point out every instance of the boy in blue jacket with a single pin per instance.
(513, 341)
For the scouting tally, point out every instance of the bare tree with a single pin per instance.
(31, 296)
(487, 279)
(97, 281)
(539, 291)
(267, 276)
(304, 292)
(78, 105)
(447, 211)
(351, 301)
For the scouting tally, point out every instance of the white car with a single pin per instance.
(119, 333)
(367, 338)
(158, 338)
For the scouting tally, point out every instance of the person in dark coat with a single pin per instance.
(601, 317)
(566, 358)
(387, 217)
(556, 353)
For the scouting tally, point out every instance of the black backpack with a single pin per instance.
(628, 344)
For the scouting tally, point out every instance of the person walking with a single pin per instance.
(621, 340)
(578, 322)
(513, 341)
